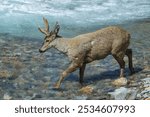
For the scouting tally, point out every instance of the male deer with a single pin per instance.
(88, 47)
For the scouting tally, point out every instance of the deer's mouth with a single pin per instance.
(41, 51)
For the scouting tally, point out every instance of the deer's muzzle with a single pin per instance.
(41, 51)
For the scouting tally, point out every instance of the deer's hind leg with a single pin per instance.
(119, 58)
(81, 72)
(129, 55)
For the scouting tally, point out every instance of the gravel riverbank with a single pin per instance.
(26, 74)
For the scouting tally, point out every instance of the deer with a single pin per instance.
(88, 47)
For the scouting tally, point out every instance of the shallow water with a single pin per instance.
(26, 74)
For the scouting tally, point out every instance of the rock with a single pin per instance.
(138, 96)
(7, 97)
(28, 98)
(80, 97)
(5, 74)
(145, 92)
(120, 82)
(147, 68)
(17, 54)
(132, 93)
(147, 98)
(134, 84)
(119, 94)
(86, 90)
(36, 96)
(146, 80)
(147, 88)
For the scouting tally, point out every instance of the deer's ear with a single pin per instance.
(56, 29)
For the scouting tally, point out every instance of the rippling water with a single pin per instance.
(24, 72)
(21, 17)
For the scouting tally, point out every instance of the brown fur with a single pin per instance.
(88, 47)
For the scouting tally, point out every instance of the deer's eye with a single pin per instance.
(47, 40)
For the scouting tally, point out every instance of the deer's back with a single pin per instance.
(105, 35)
(99, 44)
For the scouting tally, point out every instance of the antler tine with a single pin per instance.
(46, 30)
(46, 24)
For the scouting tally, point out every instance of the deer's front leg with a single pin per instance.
(70, 69)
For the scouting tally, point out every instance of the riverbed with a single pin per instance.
(26, 74)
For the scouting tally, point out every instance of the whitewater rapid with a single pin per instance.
(22, 17)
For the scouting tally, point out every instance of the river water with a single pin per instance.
(21, 17)
(26, 74)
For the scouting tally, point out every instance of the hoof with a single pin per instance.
(120, 82)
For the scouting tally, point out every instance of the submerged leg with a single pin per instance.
(81, 72)
(129, 54)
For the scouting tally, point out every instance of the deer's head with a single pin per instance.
(50, 36)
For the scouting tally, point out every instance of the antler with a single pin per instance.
(46, 30)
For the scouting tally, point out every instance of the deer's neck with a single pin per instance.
(61, 44)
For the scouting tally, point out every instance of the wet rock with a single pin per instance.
(83, 97)
(5, 74)
(28, 98)
(147, 68)
(147, 98)
(133, 84)
(132, 93)
(120, 82)
(99, 96)
(36, 96)
(87, 90)
(119, 94)
(146, 82)
(7, 96)
(144, 92)
(18, 54)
